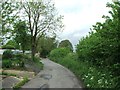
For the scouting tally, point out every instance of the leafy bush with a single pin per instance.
(99, 57)
(45, 45)
(10, 60)
(18, 85)
(59, 53)
(90, 75)
(101, 47)
(38, 63)
(17, 63)
(8, 54)
(11, 44)
(19, 56)
(44, 53)
(8, 47)
(67, 44)
(6, 63)
(72, 56)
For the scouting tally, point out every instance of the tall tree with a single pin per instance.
(21, 35)
(8, 14)
(42, 18)
(67, 44)
(46, 44)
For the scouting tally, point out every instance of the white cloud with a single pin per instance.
(79, 16)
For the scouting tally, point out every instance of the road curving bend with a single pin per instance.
(53, 76)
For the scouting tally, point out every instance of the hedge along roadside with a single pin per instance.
(90, 75)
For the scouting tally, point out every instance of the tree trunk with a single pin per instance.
(33, 52)
(23, 51)
(33, 48)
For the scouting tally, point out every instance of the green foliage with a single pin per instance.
(18, 85)
(35, 65)
(8, 54)
(21, 36)
(7, 63)
(67, 44)
(38, 63)
(7, 18)
(8, 47)
(59, 53)
(42, 19)
(90, 75)
(72, 56)
(10, 63)
(11, 44)
(10, 60)
(101, 47)
(98, 61)
(45, 45)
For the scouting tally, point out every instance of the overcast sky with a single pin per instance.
(79, 16)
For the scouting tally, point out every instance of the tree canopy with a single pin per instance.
(39, 18)
(46, 45)
(8, 17)
(22, 37)
(67, 44)
(42, 18)
(102, 46)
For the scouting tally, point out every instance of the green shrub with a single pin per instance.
(72, 56)
(44, 53)
(8, 47)
(11, 61)
(17, 63)
(90, 75)
(101, 46)
(19, 56)
(6, 63)
(8, 54)
(38, 64)
(59, 53)
(18, 85)
(23, 56)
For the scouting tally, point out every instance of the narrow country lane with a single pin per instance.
(53, 76)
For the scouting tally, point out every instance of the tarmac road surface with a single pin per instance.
(53, 76)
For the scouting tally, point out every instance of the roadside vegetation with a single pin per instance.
(21, 83)
(10, 60)
(90, 75)
(41, 23)
(18, 61)
(96, 60)
(36, 34)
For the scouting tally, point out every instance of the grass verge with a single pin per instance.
(18, 85)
